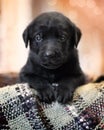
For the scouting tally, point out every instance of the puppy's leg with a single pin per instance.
(44, 89)
(66, 88)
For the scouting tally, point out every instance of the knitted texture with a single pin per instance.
(21, 110)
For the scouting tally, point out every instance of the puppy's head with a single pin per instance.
(52, 37)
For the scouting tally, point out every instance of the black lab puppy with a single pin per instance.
(52, 67)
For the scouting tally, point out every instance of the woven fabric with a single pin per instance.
(21, 110)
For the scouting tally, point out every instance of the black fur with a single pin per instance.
(99, 79)
(52, 67)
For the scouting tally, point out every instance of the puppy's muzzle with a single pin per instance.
(51, 59)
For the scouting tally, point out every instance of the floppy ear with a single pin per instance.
(26, 37)
(77, 36)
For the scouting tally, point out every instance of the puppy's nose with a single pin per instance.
(50, 54)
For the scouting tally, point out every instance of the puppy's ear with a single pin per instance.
(26, 37)
(77, 36)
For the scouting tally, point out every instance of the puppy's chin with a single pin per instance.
(51, 66)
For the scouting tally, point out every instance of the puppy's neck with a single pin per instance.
(54, 75)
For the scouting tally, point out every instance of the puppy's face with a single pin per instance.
(52, 37)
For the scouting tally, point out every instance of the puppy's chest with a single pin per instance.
(52, 77)
(55, 85)
(52, 80)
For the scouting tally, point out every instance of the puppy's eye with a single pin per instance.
(38, 37)
(62, 37)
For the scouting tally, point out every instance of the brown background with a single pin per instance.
(88, 15)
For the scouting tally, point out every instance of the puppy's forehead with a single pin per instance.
(52, 19)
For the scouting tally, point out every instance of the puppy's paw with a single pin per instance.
(64, 94)
(46, 95)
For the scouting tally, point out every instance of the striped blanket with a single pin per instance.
(21, 110)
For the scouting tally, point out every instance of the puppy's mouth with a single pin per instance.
(51, 65)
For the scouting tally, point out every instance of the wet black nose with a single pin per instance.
(51, 54)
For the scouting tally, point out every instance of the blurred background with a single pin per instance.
(88, 15)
